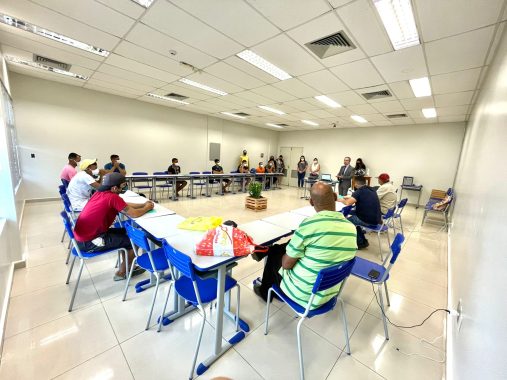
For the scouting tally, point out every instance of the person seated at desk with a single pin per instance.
(280, 164)
(115, 165)
(367, 210)
(92, 230)
(322, 240)
(81, 185)
(386, 193)
(217, 169)
(244, 169)
(260, 169)
(69, 170)
(175, 169)
(244, 157)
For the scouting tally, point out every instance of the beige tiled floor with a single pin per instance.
(104, 338)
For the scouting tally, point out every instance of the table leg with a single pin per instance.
(221, 187)
(154, 189)
(418, 198)
(192, 196)
(207, 188)
(174, 190)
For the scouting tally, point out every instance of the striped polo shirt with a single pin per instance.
(322, 240)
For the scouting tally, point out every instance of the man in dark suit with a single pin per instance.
(345, 176)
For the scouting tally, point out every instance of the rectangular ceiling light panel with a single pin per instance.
(143, 3)
(274, 110)
(167, 98)
(327, 101)
(26, 26)
(429, 113)
(202, 86)
(309, 122)
(398, 19)
(274, 125)
(420, 87)
(359, 119)
(264, 65)
(40, 66)
(233, 115)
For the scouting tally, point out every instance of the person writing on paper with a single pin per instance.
(81, 185)
(69, 170)
(386, 193)
(344, 176)
(176, 169)
(218, 169)
(115, 165)
(92, 230)
(320, 241)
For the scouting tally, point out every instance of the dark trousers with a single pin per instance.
(301, 179)
(270, 275)
(343, 187)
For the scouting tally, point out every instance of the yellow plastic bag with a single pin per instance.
(200, 223)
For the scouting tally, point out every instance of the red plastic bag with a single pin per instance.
(226, 241)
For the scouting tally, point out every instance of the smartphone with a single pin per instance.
(373, 274)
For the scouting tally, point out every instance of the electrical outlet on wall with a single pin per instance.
(459, 317)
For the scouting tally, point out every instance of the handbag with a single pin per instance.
(227, 241)
(200, 223)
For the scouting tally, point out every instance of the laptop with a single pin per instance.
(326, 178)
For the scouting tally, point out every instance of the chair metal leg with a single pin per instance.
(128, 280)
(63, 235)
(401, 226)
(157, 275)
(237, 307)
(345, 326)
(266, 319)
(165, 306)
(424, 216)
(380, 247)
(191, 375)
(382, 309)
(387, 294)
(300, 350)
(77, 284)
(68, 256)
(70, 270)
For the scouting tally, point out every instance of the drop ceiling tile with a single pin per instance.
(253, 111)
(439, 19)
(347, 98)
(392, 106)
(164, 103)
(209, 106)
(42, 74)
(402, 64)
(452, 111)
(362, 109)
(225, 105)
(92, 13)
(376, 117)
(253, 97)
(461, 52)
(418, 103)
(226, 72)
(160, 43)
(288, 55)
(496, 40)
(239, 101)
(250, 69)
(180, 25)
(233, 18)
(296, 87)
(451, 119)
(361, 19)
(324, 82)
(140, 68)
(425, 121)
(113, 86)
(303, 115)
(338, 3)
(404, 121)
(401, 90)
(287, 14)
(51, 20)
(185, 91)
(111, 91)
(303, 105)
(320, 113)
(415, 114)
(274, 93)
(455, 82)
(456, 99)
(122, 82)
(212, 81)
(381, 123)
(358, 74)
(128, 8)
(129, 75)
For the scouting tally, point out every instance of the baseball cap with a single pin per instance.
(110, 180)
(384, 177)
(87, 162)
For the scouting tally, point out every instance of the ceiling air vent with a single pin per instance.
(176, 96)
(282, 125)
(331, 45)
(51, 62)
(376, 95)
(242, 114)
(397, 115)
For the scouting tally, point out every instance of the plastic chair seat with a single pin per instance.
(362, 267)
(90, 255)
(322, 309)
(207, 288)
(159, 260)
(376, 228)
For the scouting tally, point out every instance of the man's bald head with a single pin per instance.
(322, 197)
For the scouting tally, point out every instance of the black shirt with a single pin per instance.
(217, 168)
(174, 169)
(367, 205)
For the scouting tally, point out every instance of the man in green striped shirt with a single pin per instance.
(322, 240)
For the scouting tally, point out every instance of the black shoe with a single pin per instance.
(137, 271)
(258, 292)
(364, 245)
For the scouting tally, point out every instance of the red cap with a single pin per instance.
(384, 177)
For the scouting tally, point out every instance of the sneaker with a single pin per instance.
(137, 271)
(119, 277)
(364, 245)
(256, 257)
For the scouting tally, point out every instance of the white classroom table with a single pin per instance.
(157, 211)
(289, 220)
(161, 227)
(264, 233)
(310, 211)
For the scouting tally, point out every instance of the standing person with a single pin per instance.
(93, 232)
(217, 169)
(360, 169)
(280, 164)
(386, 193)
(69, 170)
(115, 165)
(176, 169)
(314, 170)
(344, 176)
(271, 168)
(81, 185)
(272, 162)
(367, 210)
(244, 157)
(302, 167)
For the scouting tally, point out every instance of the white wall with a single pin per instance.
(478, 257)
(54, 119)
(428, 152)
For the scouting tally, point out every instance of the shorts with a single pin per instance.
(113, 238)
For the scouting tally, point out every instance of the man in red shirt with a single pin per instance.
(92, 230)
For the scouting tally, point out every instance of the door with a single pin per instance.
(291, 156)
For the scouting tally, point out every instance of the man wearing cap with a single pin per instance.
(92, 230)
(81, 185)
(69, 170)
(386, 193)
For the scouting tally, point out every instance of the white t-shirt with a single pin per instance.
(79, 190)
(387, 196)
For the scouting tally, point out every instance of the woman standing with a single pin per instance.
(360, 169)
(314, 170)
(302, 167)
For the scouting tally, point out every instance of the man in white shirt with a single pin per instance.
(386, 193)
(81, 185)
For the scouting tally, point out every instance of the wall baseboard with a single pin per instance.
(5, 307)
(37, 200)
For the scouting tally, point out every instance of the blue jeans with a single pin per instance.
(301, 179)
(361, 239)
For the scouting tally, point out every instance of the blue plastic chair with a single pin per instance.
(363, 269)
(195, 290)
(382, 228)
(212, 182)
(153, 260)
(346, 210)
(397, 214)
(72, 217)
(64, 182)
(200, 183)
(162, 183)
(326, 279)
(145, 183)
(81, 255)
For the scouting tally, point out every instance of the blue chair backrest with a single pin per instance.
(252, 171)
(62, 189)
(234, 171)
(157, 173)
(138, 237)
(389, 214)
(206, 172)
(67, 224)
(65, 182)
(194, 173)
(329, 277)
(178, 260)
(66, 203)
(402, 203)
(396, 246)
(346, 210)
(139, 173)
(450, 191)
